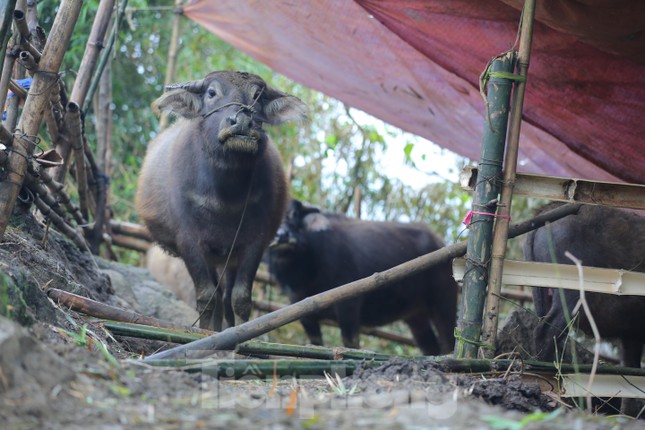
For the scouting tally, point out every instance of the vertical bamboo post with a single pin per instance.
(173, 50)
(484, 206)
(37, 101)
(500, 236)
(103, 114)
(105, 56)
(6, 16)
(7, 57)
(83, 79)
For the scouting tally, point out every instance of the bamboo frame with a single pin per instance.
(82, 82)
(232, 336)
(105, 55)
(569, 190)
(60, 223)
(553, 275)
(36, 101)
(500, 233)
(58, 190)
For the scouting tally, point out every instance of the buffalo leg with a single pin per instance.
(423, 335)
(227, 287)
(348, 314)
(209, 299)
(312, 328)
(243, 284)
(631, 354)
(553, 326)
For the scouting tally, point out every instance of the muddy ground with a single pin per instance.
(53, 374)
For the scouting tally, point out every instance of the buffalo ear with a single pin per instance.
(178, 102)
(316, 222)
(279, 107)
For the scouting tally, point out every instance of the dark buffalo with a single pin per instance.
(212, 189)
(314, 252)
(599, 237)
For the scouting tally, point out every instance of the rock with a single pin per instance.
(137, 291)
(29, 371)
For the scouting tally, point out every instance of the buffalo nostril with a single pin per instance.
(231, 120)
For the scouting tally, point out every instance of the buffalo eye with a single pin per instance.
(257, 94)
(211, 92)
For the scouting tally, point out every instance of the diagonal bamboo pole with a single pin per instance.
(37, 100)
(491, 314)
(232, 336)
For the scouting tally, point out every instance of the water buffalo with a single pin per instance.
(314, 252)
(212, 188)
(599, 237)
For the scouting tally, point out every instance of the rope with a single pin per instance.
(468, 219)
(249, 108)
(462, 341)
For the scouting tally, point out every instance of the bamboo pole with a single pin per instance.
(173, 50)
(37, 100)
(484, 205)
(74, 139)
(130, 229)
(81, 84)
(232, 336)
(36, 187)
(101, 310)
(260, 369)
(103, 115)
(491, 314)
(10, 54)
(59, 191)
(132, 243)
(7, 8)
(60, 223)
(105, 55)
(370, 331)
(253, 368)
(246, 348)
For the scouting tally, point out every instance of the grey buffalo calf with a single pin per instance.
(314, 252)
(599, 237)
(212, 188)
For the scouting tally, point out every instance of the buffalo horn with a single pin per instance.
(192, 86)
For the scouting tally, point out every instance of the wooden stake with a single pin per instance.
(37, 100)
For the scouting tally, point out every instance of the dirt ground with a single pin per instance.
(49, 381)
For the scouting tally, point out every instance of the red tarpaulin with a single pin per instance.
(416, 65)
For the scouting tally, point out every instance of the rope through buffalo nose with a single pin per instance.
(242, 106)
